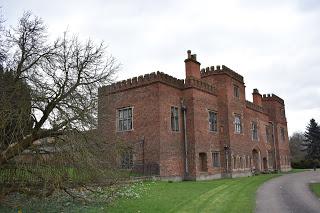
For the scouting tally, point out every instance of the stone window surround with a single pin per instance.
(127, 159)
(212, 111)
(235, 115)
(257, 130)
(117, 118)
(236, 91)
(178, 126)
(216, 164)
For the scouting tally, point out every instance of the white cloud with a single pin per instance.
(274, 44)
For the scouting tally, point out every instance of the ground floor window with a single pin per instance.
(241, 163)
(216, 159)
(127, 160)
(234, 158)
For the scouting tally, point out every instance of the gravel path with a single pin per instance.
(289, 193)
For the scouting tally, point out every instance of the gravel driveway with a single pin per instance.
(289, 193)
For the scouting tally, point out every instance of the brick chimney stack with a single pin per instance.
(192, 66)
(257, 97)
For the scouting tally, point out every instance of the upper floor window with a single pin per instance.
(125, 119)
(237, 124)
(174, 119)
(282, 134)
(254, 129)
(213, 124)
(268, 134)
(282, 113)
(215, 159)
(236, 91)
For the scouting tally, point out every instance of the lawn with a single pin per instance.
(225, 195)
(315, 187)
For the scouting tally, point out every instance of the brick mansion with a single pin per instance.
(197, 128)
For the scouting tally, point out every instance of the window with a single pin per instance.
(213, 121)
(174, 119)
(270, 158)
(282, 113)
(237, 124)
(125, 119)
(268, 134)
(234, 162)
(236, 92)
(282, 134)
(127, 160)
(216, 159)
(254, 129)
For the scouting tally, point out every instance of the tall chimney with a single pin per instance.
(257, 97)
(192, 66)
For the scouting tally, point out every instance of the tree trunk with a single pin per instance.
(15, 149)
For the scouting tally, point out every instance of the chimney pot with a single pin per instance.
(189, 53)
(257, 97)
(192, 66)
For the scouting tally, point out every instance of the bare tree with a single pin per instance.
(2, 46)
(62, 79)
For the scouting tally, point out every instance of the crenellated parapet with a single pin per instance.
(154, 77)
(144, 80)
(201, 85)
(255, 107)
(221, 70)
(272, 97)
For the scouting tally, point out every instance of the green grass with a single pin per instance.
(315, 188)
(297, 170)
(225, 195)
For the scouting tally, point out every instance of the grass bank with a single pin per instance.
(315, 188)
(225, 195)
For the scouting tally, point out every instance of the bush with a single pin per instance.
(305, 164)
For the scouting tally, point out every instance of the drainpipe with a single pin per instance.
(274, 146)
(184, 110)
(226, 153)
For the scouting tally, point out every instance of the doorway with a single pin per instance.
(203, 162)
(256, 160)
(265, 164)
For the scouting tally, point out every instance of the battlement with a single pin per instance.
(272, 97)
(194, 83)
(221, 69)
(143, 80)
(255, 107)
(147, 79)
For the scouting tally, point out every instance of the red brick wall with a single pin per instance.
(152, 102)
(171, 142)
(146, 119)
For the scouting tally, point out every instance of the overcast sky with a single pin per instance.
(274, 44)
